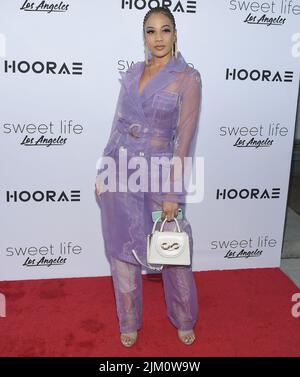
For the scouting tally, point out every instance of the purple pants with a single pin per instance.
(179, 289)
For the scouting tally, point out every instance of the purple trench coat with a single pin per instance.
(162, 121)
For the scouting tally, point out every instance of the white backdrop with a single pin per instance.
(59, 75)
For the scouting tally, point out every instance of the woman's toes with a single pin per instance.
(187, 337)
(128, 339)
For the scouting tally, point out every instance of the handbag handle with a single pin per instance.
(156, 221)
(154, 225)
(177, 225)
(146, 265)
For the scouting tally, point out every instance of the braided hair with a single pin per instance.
(164, 10)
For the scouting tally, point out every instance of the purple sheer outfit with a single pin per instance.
(162, 121)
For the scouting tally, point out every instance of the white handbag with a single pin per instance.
(167, 247)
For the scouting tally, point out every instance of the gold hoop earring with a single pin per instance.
(146, 55)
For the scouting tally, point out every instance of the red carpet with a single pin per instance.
(241, 313)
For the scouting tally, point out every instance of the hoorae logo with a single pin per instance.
(188, 6)
(48, 67)
(266, 13)
(245, 193)
(258, 75)
(42, 196)
(44, 6)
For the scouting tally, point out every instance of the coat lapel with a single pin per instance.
(161, 79)
(131, 78)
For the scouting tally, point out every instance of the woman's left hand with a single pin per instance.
(170, 209)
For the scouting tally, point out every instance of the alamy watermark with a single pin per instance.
(155, 174)
(296, 307)
(2, 305)
(2, 45)
(296, 45)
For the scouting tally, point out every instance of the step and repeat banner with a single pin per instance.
(60, 64)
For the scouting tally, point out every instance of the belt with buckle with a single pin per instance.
(127, 127)
(133, 129)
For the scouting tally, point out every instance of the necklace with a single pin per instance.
(149, 73)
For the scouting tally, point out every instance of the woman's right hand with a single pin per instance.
(170, 209)
(98, 187)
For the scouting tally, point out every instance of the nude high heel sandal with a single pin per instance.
(186, 336)
(128, 339)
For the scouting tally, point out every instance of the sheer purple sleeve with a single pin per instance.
(185, 137)
(117, 107)
(115, 118)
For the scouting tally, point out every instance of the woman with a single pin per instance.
(156, 115)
